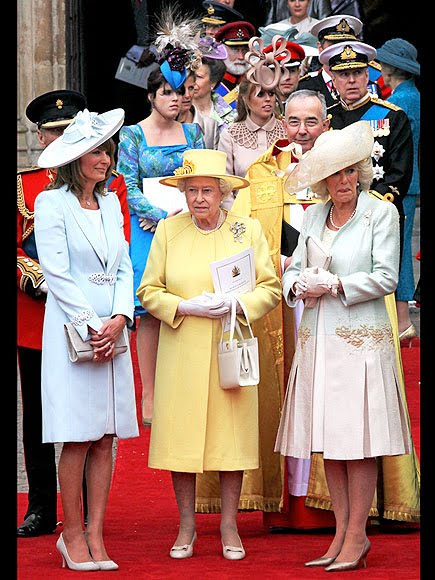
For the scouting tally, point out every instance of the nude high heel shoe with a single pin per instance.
(185, 551)
(343, 566)
(66, 560)
(319, 562)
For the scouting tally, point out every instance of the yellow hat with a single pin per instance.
(204, 163)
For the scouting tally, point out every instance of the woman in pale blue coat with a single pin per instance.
(343, 397)
(84, 257)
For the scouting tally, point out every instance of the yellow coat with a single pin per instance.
(197, 426)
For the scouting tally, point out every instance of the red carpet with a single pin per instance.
(142, 519)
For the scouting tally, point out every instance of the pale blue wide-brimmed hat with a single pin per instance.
(401, 54)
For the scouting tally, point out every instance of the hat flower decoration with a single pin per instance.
(86, 124)
(266, 70)
(177, 45)
(212, 48)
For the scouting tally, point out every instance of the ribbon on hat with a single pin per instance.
(261, 71)
(84, 126)
(295, 156)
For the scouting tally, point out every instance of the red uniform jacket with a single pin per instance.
(30, 311)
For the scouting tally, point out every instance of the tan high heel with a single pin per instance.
(343, 566)
(185, 551)
(319, 562)
(408, 334)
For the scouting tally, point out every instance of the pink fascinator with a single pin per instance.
(266, 69)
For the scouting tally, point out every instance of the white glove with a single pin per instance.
(203, 306)
(43, 287)
(146, 225)
(318, 282)
(226, 298)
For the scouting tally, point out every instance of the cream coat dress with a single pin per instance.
(198, 426)
(364, 414)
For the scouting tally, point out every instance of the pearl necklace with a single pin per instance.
(332, 221)
(220, 221)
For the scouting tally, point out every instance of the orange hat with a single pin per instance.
(297, 53)
(235, 33)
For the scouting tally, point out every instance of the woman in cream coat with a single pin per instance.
(343, 397)
(84, 257)
(197, 425)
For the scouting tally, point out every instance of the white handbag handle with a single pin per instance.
(234, 323)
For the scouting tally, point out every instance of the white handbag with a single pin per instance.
(238, 358)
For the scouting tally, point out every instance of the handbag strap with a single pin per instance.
(234, 323)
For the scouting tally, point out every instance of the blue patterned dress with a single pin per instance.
(136, 160)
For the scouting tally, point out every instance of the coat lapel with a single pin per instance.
(83, 223)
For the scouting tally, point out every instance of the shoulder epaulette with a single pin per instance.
(115, 173)
(309, 75)
(378, 101)
(333, 105)
(375, 65)
(28, 169)
(386, 197)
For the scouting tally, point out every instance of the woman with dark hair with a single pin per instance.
(153, 147)
(206, 100)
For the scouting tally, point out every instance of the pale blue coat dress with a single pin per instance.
(87, 279)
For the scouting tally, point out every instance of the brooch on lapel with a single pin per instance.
(238, 228)
(367, 217)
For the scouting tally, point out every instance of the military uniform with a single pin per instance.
(392, 154)
(233, 34)
(314, 81)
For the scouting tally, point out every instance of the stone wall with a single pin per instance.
(41, 65)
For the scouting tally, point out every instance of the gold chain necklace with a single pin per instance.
(220, 221)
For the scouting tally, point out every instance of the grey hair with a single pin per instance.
(225, 186)
(365, 177)
(304, 94)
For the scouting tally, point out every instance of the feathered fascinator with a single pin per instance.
(266, 70)
(177, 45)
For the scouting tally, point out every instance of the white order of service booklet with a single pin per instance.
(234, 275)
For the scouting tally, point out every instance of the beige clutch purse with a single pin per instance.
(81, 350)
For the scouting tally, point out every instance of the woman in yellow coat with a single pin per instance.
(197, 425)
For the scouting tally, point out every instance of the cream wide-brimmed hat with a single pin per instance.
(87, 132)
(204, 163)
(333, 151)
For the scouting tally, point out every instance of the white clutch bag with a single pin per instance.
(238, 358)
(316, 255)
(81, 351)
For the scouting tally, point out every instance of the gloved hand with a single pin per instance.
(203, 306)
(226, 300)
(146, 225)
(318, 282)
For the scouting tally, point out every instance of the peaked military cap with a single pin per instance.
(235, 33)
(55, 108)
(219, 14)
(347, 55)
(338, 27)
